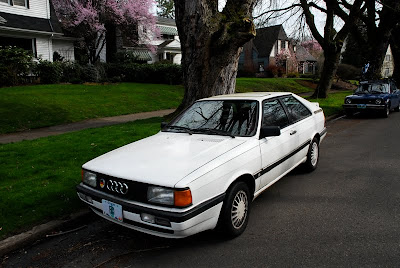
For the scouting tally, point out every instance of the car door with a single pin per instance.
(274, 149)
(301, 130)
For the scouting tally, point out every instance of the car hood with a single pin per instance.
(163, 159)
(368, 96)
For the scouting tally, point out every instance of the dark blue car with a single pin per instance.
(381, 96)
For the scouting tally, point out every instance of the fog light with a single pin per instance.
(163, 222)
(89, 199)
(147, 218)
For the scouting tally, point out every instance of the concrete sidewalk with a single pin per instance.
(91, 123)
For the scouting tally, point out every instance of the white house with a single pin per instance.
(388, 64)
(168, 46)
(32, 25)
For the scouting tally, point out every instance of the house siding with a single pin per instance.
(64, 48)
(44, 48)
(37, 9)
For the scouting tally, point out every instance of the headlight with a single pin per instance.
(89, 178)
(170, 197)
(378, 101)
(348, 101)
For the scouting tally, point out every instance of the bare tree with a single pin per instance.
(332, 40)
(211, 42)
(380, 18)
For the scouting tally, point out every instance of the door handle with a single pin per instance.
(293, 132)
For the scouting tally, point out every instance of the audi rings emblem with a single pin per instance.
(118, 187)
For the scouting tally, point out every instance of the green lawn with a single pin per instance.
(270, 84)
(28, 107)
(333, 104)
(38, 177)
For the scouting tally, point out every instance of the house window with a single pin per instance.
(286, 44)
(279, 46)
(22, 3)
(27, 44)
(387, 58)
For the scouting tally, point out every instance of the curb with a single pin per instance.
(18, 241)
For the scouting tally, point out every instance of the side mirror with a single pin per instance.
(163, 124)
(270, 131)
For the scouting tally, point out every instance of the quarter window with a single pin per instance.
(297, 111)
(274, 114)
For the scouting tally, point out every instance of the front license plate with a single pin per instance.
(112, 210)
(361, 106)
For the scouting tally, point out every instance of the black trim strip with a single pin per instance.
(277, 163)
(323, 132)
(172, 216)
(141, 225)
(318, 111)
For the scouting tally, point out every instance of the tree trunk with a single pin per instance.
(332, 56)
(211, 42)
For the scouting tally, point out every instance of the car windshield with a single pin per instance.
(219, 117)
(372, 88)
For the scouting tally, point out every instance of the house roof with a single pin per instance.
(303, 55)
(19, 22)
(167, 30)
(266, 38)
(166, 21)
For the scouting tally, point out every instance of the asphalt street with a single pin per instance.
(344, 214)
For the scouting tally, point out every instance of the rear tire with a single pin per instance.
(312, 156)
(235, 210)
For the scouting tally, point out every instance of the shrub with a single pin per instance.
(71, 72)
(292, 75)
(348, 72)
(49, 72)
(90, 73)
(145, 73)
(271, 71)
(15, 64)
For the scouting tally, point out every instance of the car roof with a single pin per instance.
(248, 95)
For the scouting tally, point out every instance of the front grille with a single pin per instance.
(363, 101)
(136, 191)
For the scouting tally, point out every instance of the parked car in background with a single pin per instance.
(203, 169)
(381, 96)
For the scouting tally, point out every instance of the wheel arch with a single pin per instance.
(246, 178)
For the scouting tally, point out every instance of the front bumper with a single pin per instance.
(361, 107)
(183, 222)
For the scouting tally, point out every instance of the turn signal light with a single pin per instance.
(183, 198)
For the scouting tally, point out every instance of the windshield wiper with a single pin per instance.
(376, 91)
(186, 129)
(213, 131)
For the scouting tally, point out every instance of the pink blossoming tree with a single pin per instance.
(90, 20)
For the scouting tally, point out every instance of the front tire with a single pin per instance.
(312, 156)
(235, 210)
(385, 113)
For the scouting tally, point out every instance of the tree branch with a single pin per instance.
(310, 22)
(277, 10)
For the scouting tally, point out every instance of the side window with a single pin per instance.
(274, 114)
(297, 111)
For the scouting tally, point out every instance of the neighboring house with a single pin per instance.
(32, 25)
(388, 64)
(307, 62)
(271, 43)
(167, 47)
(261, 51)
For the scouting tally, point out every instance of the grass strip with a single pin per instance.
(28, 107)
(38, 177)
(333, 103)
